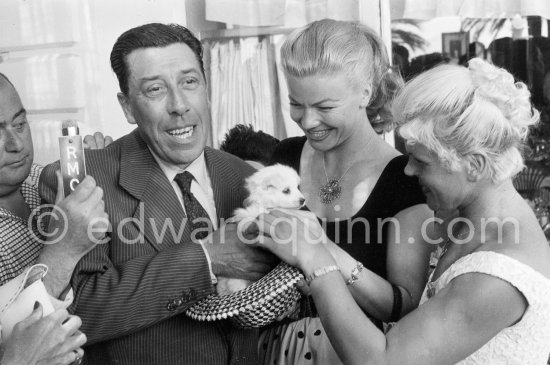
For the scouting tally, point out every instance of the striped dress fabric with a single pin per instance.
(132, 292)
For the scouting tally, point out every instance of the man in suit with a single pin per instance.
(132, 292)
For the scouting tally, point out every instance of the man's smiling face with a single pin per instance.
(167, 99)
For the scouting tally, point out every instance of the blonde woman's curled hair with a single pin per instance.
(459, 112)
(328, 46)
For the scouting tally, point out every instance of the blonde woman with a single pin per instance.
(340, 85)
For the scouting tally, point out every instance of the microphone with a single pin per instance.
(73, 166)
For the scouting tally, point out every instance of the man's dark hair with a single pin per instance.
(244, 142)
(147, 36)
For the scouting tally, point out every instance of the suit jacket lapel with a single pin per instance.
(227, 185)
(159, 208)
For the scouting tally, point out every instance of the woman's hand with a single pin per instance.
(50, 340)
(296, 238)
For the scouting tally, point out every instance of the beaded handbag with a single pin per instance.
(257, 305)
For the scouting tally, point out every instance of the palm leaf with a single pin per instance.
(528, 181)
(477, 26)
(413, 40)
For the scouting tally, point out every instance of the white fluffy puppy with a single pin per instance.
(270, 187)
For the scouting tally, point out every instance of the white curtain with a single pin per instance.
(290, 13)
(242, 89)
(428, 9)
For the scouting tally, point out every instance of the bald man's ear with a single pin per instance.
(126, 107)
(365, 98)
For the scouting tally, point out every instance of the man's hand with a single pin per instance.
(79, 224)
(235, 257)
(97, 142)
(82, 221)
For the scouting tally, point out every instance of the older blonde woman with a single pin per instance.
(488, 300)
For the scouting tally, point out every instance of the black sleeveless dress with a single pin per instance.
(393, 192)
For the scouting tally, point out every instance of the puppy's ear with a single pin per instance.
(248, 202)
(250, 184)
(268, 186)
(266, 182)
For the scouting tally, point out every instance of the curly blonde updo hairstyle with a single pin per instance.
(329, 46)
(459, 112)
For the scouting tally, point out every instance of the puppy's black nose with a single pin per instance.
(302, 201)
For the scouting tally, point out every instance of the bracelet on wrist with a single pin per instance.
(397, 303)
(355, 273)
(321, 271)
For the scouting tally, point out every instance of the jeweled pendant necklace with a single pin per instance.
(332, 189)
